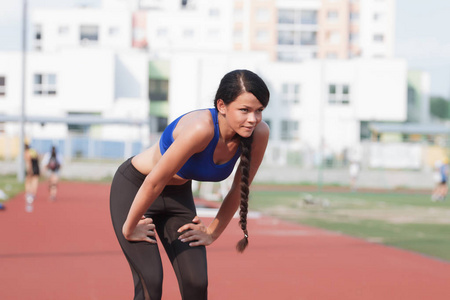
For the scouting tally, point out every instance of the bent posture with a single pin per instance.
(152, 190)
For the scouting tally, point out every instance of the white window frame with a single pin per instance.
(378, 38)
(95, 35)
(341, 94)
(3, 86)
(114, 31)
(289, 130)
(290, 93)
(262, 15)
(334, 37)
(47, 86)
(262, 35)
(332, 16)
(63, 30)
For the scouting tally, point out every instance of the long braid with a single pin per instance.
(246, 148)
(231, 86)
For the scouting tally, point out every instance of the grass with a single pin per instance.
(407, 221)
(10, 186)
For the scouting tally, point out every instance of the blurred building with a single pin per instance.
(329, 66)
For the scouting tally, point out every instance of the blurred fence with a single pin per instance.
(382, 164)
(369, 154)
(74, 147)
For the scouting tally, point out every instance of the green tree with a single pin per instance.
(439, 107)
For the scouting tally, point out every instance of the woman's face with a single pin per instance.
(243, 114)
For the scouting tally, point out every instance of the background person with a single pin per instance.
(152, 191)
(354, 169)
(31, 176)
(441, 190)
(52, 162)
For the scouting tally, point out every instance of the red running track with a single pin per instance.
(67, 250)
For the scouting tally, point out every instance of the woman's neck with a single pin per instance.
(226, 134)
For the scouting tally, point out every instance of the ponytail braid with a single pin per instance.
(246, 148)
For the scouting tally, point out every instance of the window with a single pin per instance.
(161, 123)
(308, 17)
(353, 37)
(377, 17)
(379, 38)
(88, 34)
(237, 35)
(37, 41)
(114, 31)
(162, 32)
(286, 56)
(2, 86)
(308, 38)
(63, 30)
(339, 94)
(354, 16)
(262, 36)
(286, 16)
(158, 90)
(291, 16)
(44, 84)
(289, 130)
(262, 15)
(332, 15)
(290, 93)
(334, 37)
(214, 12)
(332, 55)
(286, 37)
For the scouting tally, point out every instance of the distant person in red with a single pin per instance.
(152, 190)
(31, 176)
(52, 162)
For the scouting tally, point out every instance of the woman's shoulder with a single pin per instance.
(262, 130)
(199, 124)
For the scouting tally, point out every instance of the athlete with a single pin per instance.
(152, 190)
(32, 173)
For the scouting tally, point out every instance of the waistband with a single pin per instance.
(129, 171)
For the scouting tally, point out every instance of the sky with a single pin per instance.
(421, 34)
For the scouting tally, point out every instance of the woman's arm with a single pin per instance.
(205, 236)
(190, 140)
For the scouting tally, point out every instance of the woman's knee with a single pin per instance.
(195, 287)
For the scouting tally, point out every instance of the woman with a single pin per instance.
(152, 190)
(32, 173)
(52, 163)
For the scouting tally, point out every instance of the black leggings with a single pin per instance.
(171, 210)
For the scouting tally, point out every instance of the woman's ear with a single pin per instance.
(221, 107)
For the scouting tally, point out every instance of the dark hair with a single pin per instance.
(231, 86)
(53, 151)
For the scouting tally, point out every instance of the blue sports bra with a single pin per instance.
(200, 166)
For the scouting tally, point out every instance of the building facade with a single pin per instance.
(151, 61)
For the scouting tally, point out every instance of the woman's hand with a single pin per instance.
(196, 233)
(144, 231)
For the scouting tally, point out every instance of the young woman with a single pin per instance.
(152, 190)
(32, 173)
(52, 163)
